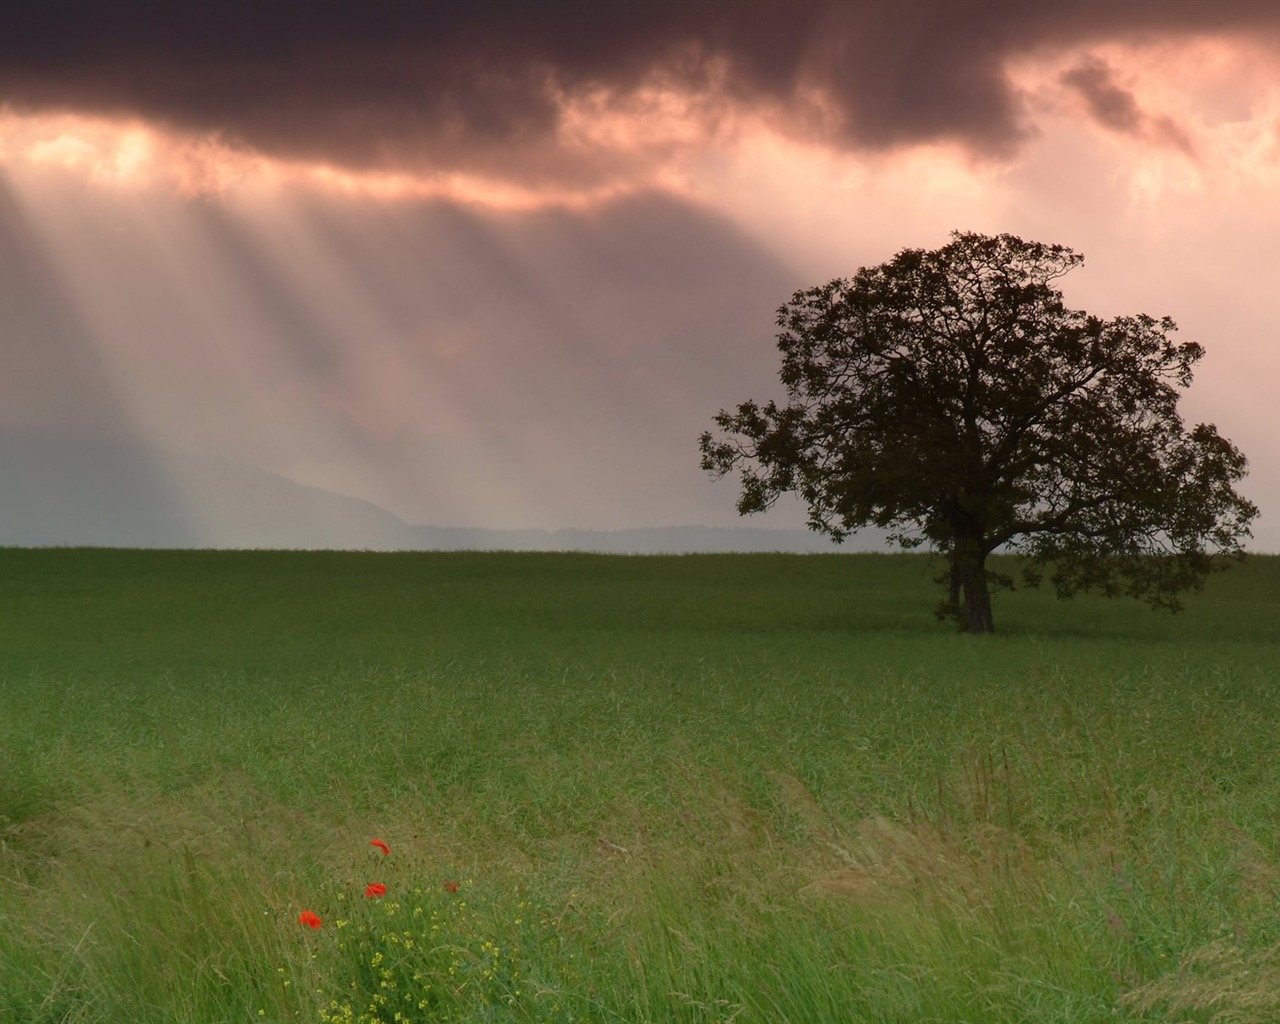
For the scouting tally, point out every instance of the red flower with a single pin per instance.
(380, 845)
(450, 886)
(309, 919)
(376, 889)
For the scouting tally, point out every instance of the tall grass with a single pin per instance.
(749, 788)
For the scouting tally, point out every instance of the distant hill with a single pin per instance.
(76, 494)
(675, 540)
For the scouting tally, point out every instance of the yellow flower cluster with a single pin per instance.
(435, 955)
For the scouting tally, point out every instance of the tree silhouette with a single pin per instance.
(951, 397)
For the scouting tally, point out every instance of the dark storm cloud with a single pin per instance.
(457, 84)
(1115, 108)
(1109, 104)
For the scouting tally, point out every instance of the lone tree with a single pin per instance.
(951, 397)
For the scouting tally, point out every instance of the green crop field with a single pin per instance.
(660, 789)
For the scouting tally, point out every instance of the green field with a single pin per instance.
(695, 789)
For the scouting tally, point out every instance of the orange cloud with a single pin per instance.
(132, 155)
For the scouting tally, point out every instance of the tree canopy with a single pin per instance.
(951, 397)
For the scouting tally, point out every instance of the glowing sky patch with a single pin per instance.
(129, 155)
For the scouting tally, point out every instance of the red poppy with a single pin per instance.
(380, 845)
(309, 919)
(450, 886)
(376, 889)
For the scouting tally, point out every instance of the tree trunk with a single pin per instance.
(977, 603)
(969, 569)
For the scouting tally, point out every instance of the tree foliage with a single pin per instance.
(951, 397)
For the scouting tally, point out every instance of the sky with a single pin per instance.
(495, 264)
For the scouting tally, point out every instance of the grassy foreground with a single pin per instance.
(723, 788)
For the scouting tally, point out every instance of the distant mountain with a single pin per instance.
(60, 493)
(672, 540)
(76, 494)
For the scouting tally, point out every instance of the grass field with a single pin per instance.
(695, 789)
